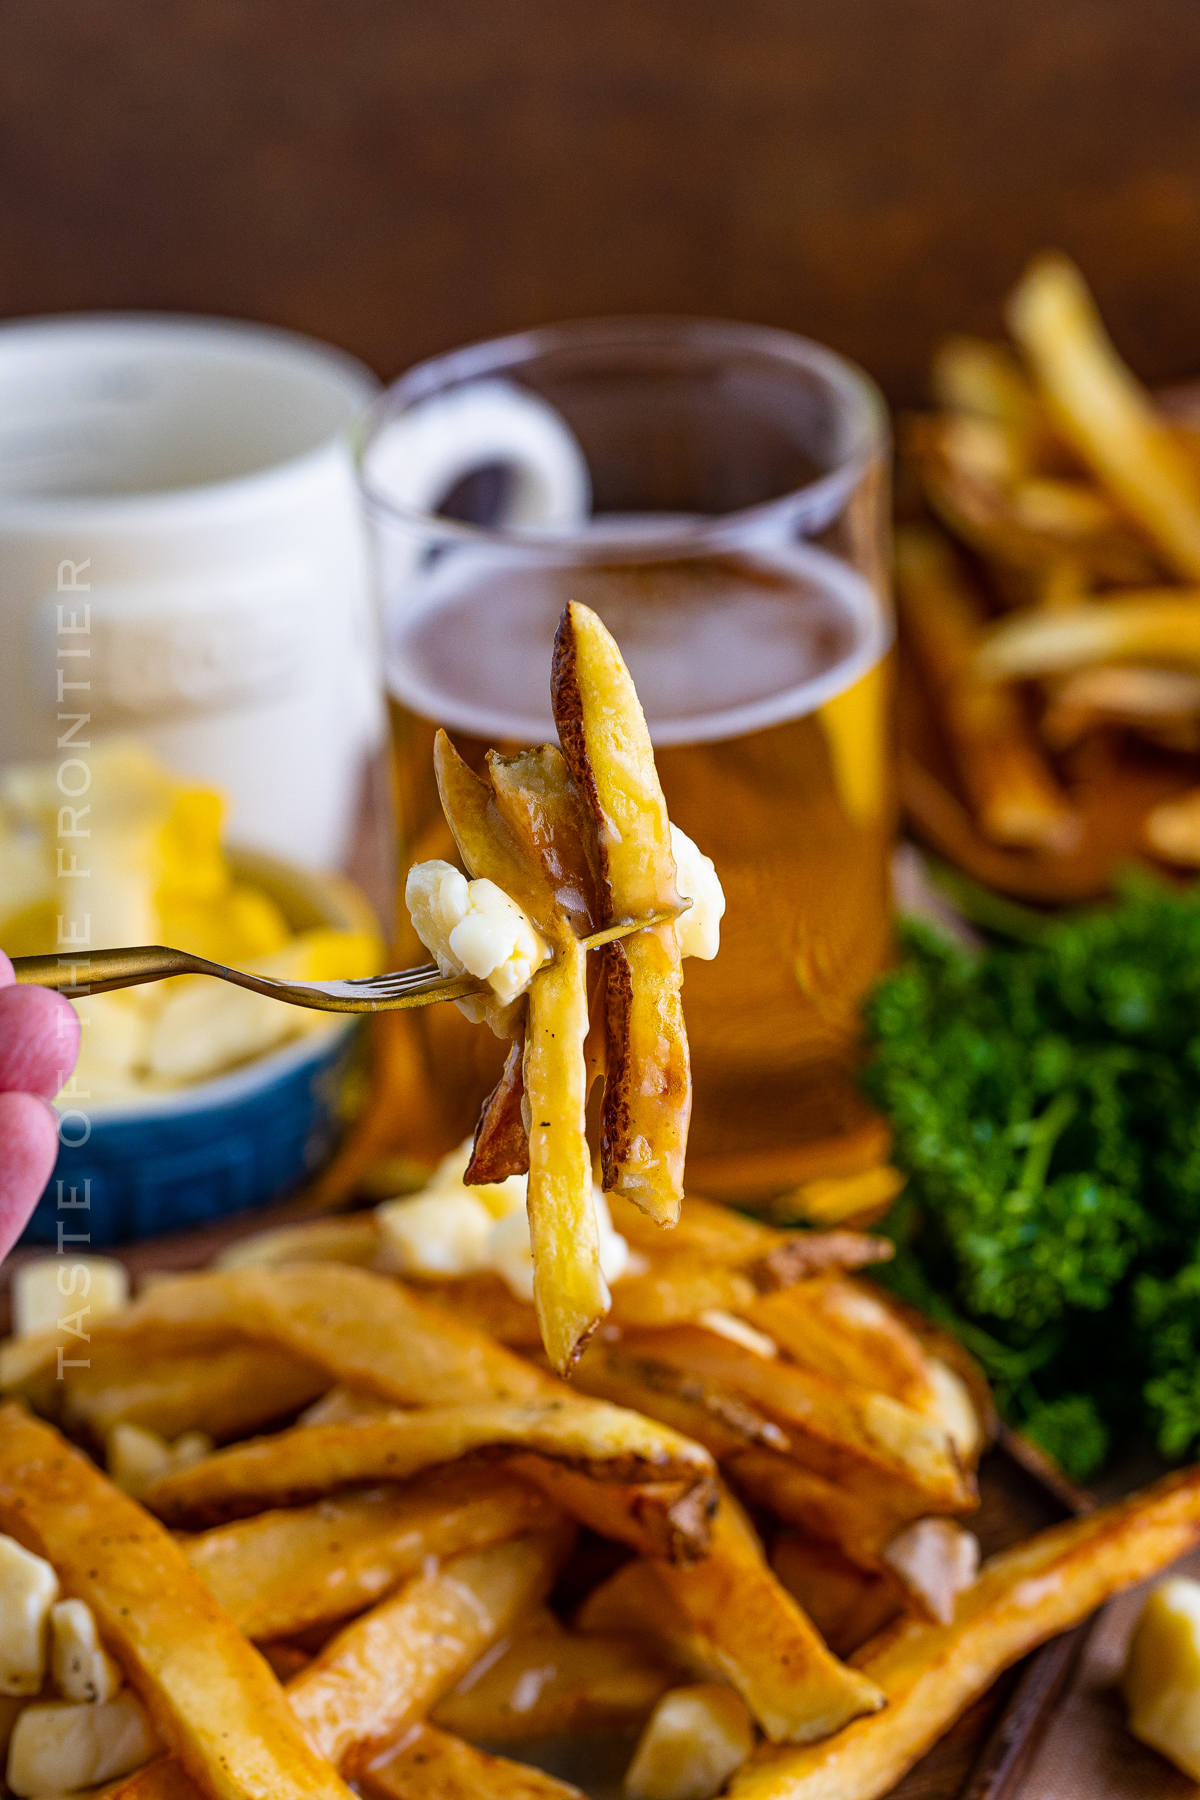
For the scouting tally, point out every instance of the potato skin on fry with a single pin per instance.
(501, 1147)
(210, 1693)
(647, 1103)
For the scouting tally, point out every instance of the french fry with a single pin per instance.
(382, 1673)
(984, 379)
(353, 1239)
(1151, 700)
(485, 1302)
(863, 1440)
(710, 1233)
(730, 1617)
(712, 1413)
(671, 1519)
(549, 1686)
(857, 1200)
(847, 1604)
(1151, 625)
(570, 1293)
(647, 1097)
(1103, 411)
(224, 1392)
(965, 1405)
(1172, 829)
(838, 1329)
(677, 1288)
(1008, 782)
(861, 1525)
(432, 1765)
(300, 1465)
(280, 1573)
(501, 1147)
(932, 1673)
(209, 1692)
(364, 1330)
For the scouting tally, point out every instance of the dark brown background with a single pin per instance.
(401, 175)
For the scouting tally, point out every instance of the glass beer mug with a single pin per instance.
(718, 494)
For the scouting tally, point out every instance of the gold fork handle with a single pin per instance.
(99, 971)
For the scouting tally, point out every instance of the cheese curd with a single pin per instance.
(699, 929)
(1161, 1683)
(451, 1229)
(79, 1664)
(97, 1285)
(28, 1589)
(58, 1746)
(136, 1457)
(473, 928)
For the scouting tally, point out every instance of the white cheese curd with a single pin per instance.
(452, 1229)
(1161, 1683)
(136, 1457)
(473, 928)
(699, 929)
(98, 1284)
(727, 1325)
(28, 1589)
(59, 1745)
(79, 1664)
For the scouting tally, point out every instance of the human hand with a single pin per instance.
(39, 1042)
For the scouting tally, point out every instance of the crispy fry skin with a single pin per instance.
(607, 747)
(861, 1525)
(432, 1765)
(671, 1519)
(485, 842)
(501, 1146)
(296, 1466)
(730, 1616)
(383, 1672)
(1102, 410)
(224, 1392)
(1008, 781)
(771, 1258)
(931, 1673)
(365, 1330)
(677, 1288)
(838, 1330)
(847, 1604)
(546, 1686)
(865, 1441)
(569, 1291)
(209, 1691)
(1146, 625)
(542, 808)
(279, 1573)
(351, 1239)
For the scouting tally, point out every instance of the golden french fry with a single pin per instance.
(1008, 781)
(1172, 829)
(383, 1672)
(1065, 509)
(729, 1616)
(1121, 694)
(295, 1466)
(840, 1330)
(647, 1097)
(432, 1765)
(224, 1392)
(280, 1573)
(485, 1302)
(367, 1331)
(207, 1689)
(1151, 625)
(163, 1779)
(857, 1200)
(932, 1673)
(861, 1525)
(1102, 410)
(697, 1737)
(984, 379)
(351, 1239)
(710, 1233)
(545, 1687)
(710, 1412)
(965, 1406)
(864, 1440)
(678, 1288)
(570, 1293)
(671, 1519)
(847, 1604)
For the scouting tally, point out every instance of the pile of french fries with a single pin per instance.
(354, 1528)
(1053, 596)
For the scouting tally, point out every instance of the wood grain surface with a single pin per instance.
(402, 175)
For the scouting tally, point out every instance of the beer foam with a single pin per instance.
(719, 646)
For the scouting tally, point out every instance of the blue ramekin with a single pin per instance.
(225, 1145)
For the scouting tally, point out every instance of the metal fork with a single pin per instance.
(99, 971)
